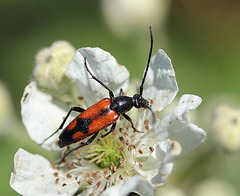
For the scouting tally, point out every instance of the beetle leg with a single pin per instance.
(111, 130)
(130, 120)
(121, 92)
(76, 109)
(85, 144)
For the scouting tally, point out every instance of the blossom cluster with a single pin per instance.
(123, 162)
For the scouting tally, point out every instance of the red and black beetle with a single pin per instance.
(100, 115)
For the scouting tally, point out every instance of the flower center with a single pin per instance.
(106, 152)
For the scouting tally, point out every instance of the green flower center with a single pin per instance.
(106, 152)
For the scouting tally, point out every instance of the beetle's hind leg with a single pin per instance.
(85, 144)
(111, 130)
(76, 109)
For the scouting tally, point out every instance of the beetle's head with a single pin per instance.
(140, 102)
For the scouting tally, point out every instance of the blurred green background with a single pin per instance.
(201, 37)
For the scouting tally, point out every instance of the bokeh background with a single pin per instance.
(201, 37)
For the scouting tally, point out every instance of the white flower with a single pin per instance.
(124, 161)
(33, 175)
(7, 116)
(50, 67)
(226, 127)
(214, 187)
(124, 16)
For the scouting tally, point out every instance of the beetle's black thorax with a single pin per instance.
(123, 104)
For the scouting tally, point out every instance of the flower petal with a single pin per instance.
(41, 115)
(102, 65)
(178, 126)
(160, 85)
(33, 175)
(158, 165)
(135, 184)
(170, 149)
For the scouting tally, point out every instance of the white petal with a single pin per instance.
(135, 184)
(163, 174)
(158, 165)
(41, 115)
(33, 175)
(160, 85)
(177, 124)
(102, 65)
(171, 149)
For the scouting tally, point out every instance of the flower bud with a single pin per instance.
(50, 67)
(126, 17)
(214, 186)
(7, 116)
(226, 127)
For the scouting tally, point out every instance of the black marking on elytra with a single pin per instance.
(65, 138)
(82, 125)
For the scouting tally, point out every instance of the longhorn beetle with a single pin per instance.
(102, 114)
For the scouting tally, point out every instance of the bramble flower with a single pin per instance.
(122, 162)
(226, 127)
(125, 17)
(7, 116)
(214, 186)
(50, 66)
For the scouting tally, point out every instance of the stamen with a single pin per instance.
(114, 156)
(151, 148)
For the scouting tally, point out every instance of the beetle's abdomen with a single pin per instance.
(92, 120)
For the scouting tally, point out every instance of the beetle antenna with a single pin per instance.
(154, 118)
(111, 95)
(148, 62)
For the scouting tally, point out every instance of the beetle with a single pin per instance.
(102, 114)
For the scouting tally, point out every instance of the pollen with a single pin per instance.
(105, 162)
(151, 148)
(55, 174)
